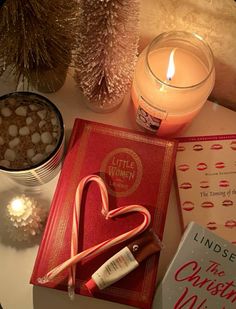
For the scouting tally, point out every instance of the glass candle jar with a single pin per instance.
(173, 78)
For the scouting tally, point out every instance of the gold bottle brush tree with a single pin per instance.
(36, 41)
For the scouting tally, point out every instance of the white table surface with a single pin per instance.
(16, 263)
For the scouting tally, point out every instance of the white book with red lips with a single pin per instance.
(206, 181)
(202, 274)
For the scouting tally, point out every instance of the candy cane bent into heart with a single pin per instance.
(95, 250)
(76, 220)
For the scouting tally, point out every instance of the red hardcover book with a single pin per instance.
(137, 169)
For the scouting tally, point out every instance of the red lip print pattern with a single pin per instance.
(211, 225)
(220, 164)
(204, 184)
(188, 206)
(180, 148)
(201, 166)
(207, 205)
(230, 224)
(223, 183)
(197, 147)
(216, 147)
(185, 185)
(183, 167)
(227, 203)
(233, 145)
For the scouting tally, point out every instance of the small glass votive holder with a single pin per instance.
(31, 137)
(173, 78)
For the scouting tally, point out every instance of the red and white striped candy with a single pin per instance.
(75, 256)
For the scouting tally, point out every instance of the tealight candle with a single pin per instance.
(173, 78)
(26, 217)
(20, 208)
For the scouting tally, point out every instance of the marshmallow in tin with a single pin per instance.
(29, 130)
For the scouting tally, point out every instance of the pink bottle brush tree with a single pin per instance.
(106, 52)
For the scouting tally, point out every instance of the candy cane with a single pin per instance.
(95, 250)
(76, 219)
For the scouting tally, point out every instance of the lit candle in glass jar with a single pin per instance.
(173, 78)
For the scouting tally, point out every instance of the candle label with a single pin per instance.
(146, 120)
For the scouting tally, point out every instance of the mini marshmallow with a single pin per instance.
(49, 148)
(24, 131)
(37, 158)
(35, 138)
(54, 121)
(46, 138)
(10, 155)
(55, 134)
(6, 112)
(13, 130)
(42, 123)
(14, 142)
(42, 114)
(5, 163)
(21, 111)
(29, 120)
(30, 153)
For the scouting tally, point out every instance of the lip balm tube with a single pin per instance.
(124, 261)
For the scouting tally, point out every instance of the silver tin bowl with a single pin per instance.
(46, 169)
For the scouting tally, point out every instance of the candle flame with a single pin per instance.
(171, 66)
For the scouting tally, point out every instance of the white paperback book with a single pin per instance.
(202, 274)
(205, 173)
